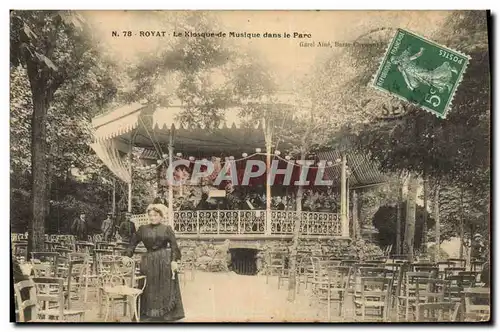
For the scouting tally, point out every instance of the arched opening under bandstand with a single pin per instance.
(244, 261)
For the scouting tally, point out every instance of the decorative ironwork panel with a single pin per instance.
(282, 222)
(185, 222)
(321, 223)
(228, 221)
(252, 222)
(208, 221)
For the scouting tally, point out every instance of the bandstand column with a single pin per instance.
(343, 197)
(129, 205)
(268, 189)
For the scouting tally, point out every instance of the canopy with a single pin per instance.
(148, 127)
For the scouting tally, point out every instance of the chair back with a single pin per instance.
(476, 265)
(50, 291)
(41, 270)
(45, 257)
(86, 247)
(431, 290)
(108, 264)
(338, 276)
(20, 250)
(26, 305)
(426, 267)
(449, 271)
(376, 289)
(477, 303)
(372, 271)
(437, 312)
(458, 262)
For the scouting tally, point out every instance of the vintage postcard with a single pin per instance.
(250, 166)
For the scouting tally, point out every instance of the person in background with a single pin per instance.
(477, 250)
(107, 228)
(79, 228)
(279, 204)
(127, 228)
(161, 199)
(203, 204)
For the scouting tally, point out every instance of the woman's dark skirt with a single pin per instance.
(161, 300)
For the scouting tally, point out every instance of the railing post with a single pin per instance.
(268, 221)
(218, 221)
(239, 221)
(197, 222)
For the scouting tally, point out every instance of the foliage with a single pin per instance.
(74, 82)
(432, 251)
(372, 198)
(358, 249)
(385, 220)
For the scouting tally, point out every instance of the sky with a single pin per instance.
(287, 58)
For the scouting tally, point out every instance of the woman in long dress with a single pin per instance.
(161, 300)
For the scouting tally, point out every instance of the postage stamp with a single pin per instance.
(421, 72)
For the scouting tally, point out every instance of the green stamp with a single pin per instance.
(421, 72)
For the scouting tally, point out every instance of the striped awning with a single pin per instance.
(108, 152)
(363, 171)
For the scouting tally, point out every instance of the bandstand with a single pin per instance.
(161, 133)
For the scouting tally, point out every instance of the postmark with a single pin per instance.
(421, 72)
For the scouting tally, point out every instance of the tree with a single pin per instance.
(451, 150)
(385, 221)
(54, 50)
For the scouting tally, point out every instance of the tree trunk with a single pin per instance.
(438, 225)
(423, 246)
(292, 280)
(410, 217)
(461, 224)
(355, 223)
(399, 217)
(36, 231)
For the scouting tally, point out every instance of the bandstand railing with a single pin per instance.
(251, 222)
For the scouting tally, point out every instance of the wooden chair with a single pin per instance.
(276, 266)
(105, 245)
(438, 312)
(26, 309)
(426, 267)
(41, 270)
(374, 294)
(430, 290)
(477, 304)
(85, 247)
(338, 278)
(449, 271)
(20, 250)
(476, 265)
(83, 270)
(396, 272)
(115, 290)
(51, 245)
(407, 296)
(45, 257)
(50, 291)
(76, 279)
(458, 262)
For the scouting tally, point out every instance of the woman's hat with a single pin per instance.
(477, 235)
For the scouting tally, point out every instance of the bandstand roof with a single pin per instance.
(148, 127)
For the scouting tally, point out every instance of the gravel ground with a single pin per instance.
(229, 297)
